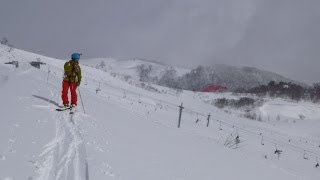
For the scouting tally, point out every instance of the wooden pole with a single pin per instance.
(208, 120)
(181, 107)
(48, 74)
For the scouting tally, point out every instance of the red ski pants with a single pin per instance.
(65, 88)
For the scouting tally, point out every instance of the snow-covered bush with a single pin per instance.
(4, 41)
(301, 117)
(221, 102)
(101, 65)
(152, 89)
(242, 102)
(251, 115)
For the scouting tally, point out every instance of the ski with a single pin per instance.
(63, 109)
(72, 109)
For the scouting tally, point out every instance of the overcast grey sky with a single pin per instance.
(276, 35)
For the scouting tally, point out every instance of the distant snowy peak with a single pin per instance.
(129, 67)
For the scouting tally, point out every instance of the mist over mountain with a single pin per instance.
(240, 77)
(233, 77)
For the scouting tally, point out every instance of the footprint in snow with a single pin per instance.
(8, 178)
(41, 106)
(99, 149)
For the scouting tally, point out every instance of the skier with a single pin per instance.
(72, 79)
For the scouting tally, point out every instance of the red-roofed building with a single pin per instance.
(214, 88)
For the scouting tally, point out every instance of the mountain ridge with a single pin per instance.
(234, 77)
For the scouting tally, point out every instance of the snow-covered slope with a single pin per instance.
(129, 131)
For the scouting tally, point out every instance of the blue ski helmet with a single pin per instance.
(76, 56)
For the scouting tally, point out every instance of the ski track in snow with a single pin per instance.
(64, 158)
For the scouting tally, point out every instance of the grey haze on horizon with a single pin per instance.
(281, 36)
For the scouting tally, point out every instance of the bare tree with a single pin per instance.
(144, 72)
(4, 41)
(101, 65)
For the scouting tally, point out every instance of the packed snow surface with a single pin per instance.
(128, 130)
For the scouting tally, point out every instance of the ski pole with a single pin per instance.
(81, 100)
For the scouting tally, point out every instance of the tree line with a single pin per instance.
(195, 80)
(287, 90)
